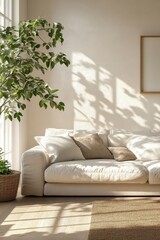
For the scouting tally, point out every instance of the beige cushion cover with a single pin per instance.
(102, 133)
(92, 147)
(122, 153)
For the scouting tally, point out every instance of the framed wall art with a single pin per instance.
(150, 64)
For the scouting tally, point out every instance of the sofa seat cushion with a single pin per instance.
(154, 171)
(96, 170)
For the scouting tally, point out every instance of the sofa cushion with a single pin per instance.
(60, 148)
(145, 148)
(92, 146)
(119, 139)
(154, 171)
(122, 153)
(102, 133)
(96, 170)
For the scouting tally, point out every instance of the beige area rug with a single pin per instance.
(118, 219)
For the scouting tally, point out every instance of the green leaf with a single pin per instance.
(54, 90)
(41, 103)
(10, 117)
(52, 104)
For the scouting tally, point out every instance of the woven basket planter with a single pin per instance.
(9, 186)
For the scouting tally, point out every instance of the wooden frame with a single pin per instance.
(150, 64)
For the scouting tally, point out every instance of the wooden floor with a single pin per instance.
(47, 218)
(56, 218)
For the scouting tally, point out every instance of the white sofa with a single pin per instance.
(58, 165)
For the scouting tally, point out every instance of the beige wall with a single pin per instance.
(101, 86)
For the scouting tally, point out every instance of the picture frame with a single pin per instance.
(150, 64)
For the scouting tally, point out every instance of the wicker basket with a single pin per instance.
(8, 186)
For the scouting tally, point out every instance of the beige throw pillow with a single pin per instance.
(92, 147)
(122, 153)
(102, 133)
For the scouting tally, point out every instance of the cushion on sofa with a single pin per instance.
(145, 148)
(119, 139)
(122, 153)
(97, 171)
(102, 133)
(153, 171)
(92, 147)
(60, 148)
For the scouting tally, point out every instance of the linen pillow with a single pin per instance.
(60, 148)
(122, 153)
(102, 133)
(144, 147)
(92, 147)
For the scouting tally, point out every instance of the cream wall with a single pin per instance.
(101, 86)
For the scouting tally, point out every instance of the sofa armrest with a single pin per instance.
(34, 163)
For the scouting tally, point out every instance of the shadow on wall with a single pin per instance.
(95, 98)
(102, 100)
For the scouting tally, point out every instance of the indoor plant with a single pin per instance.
(23, 50)
(9, 180)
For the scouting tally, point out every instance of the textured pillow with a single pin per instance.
(145, 148)
(122, 153)
(60, 148)
(102, 133)
(92, 147)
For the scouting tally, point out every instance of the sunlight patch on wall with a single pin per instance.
(83, 78)
(93, 93)
(105, 85)
(128, 104)
(102, 100)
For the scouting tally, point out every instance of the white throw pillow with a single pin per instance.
(119, 139)
(144, 147)
(49, 132)
(60, 148)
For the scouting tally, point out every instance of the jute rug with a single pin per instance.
(125, 220)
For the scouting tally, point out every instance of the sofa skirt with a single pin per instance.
(62, 189)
